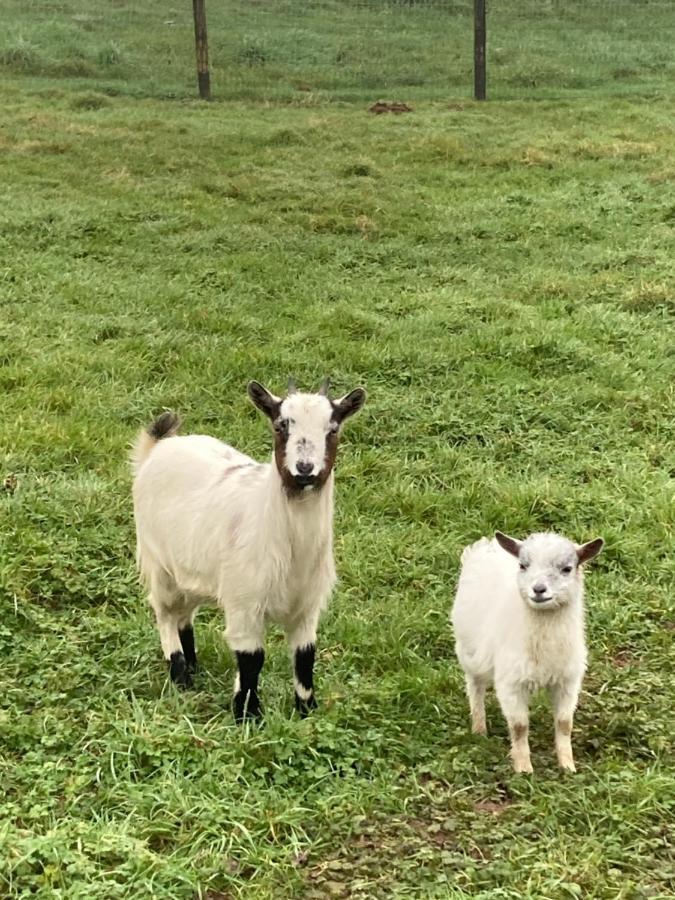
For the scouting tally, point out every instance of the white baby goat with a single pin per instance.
(256, 538)
(518, 618)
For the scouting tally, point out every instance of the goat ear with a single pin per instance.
(348, 405)
(589, 550)
(511, 545)
(263, 399)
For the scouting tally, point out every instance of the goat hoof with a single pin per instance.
(304, 707)
(179, 671)
(191, 665)
(246, 706)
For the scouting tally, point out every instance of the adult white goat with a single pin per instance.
(257, 538)
(519, 623)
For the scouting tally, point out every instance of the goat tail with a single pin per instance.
(164, 426)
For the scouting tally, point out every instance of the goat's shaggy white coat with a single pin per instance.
(214, 525)
(518, 619)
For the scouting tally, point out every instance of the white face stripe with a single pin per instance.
(309, 421)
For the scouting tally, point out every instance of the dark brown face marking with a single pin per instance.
(332, 440)
(287, 479)
(341, 409)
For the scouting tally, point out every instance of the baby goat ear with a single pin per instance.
(511, 545)
(263, 399)
(588, 551)
(348, 405)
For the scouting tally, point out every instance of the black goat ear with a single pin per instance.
(266, 401)
(348, 405)
(511, 545)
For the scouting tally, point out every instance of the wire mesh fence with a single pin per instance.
(309, 50)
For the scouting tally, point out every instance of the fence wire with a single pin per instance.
(306, 51)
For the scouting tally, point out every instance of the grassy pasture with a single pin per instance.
(308, 52)
(500, 278)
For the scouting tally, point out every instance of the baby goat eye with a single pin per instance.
(281, 426)
(566, 570)
(523, 567)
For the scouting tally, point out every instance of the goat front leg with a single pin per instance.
(564, 697)
(302, 644)
(245, 638)
(514, 701)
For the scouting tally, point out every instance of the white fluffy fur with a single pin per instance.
(213, 524)
(503, 636)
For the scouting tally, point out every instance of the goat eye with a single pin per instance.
(281, 425)
(566, 570)
(333, 428)
(523, 567)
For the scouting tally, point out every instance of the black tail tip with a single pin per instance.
(164, 426)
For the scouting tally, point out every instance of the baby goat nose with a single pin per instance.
(539, 587)
(305, 468)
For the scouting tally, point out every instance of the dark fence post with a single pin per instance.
(479, 41)
(202, 48)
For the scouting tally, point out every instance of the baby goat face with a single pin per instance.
(306, 430)
(549, 576)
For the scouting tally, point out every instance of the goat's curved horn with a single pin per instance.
(325, 386)
(292, 386)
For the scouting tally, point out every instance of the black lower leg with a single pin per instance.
(187, 639)
(246, 702)
(178, 670)
(304, 679)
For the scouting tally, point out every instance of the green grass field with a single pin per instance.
(500, 278)
(306, 52)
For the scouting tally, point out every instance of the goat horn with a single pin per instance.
(325, 386)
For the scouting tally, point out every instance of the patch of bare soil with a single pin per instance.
(381, 106)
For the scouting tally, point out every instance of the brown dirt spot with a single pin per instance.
(493, 807)
(382, 106)
(623, 657)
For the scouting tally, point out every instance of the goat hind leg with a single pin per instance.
(165, 600)
(187, 640)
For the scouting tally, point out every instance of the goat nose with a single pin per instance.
(539, 587)
(305, 468)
